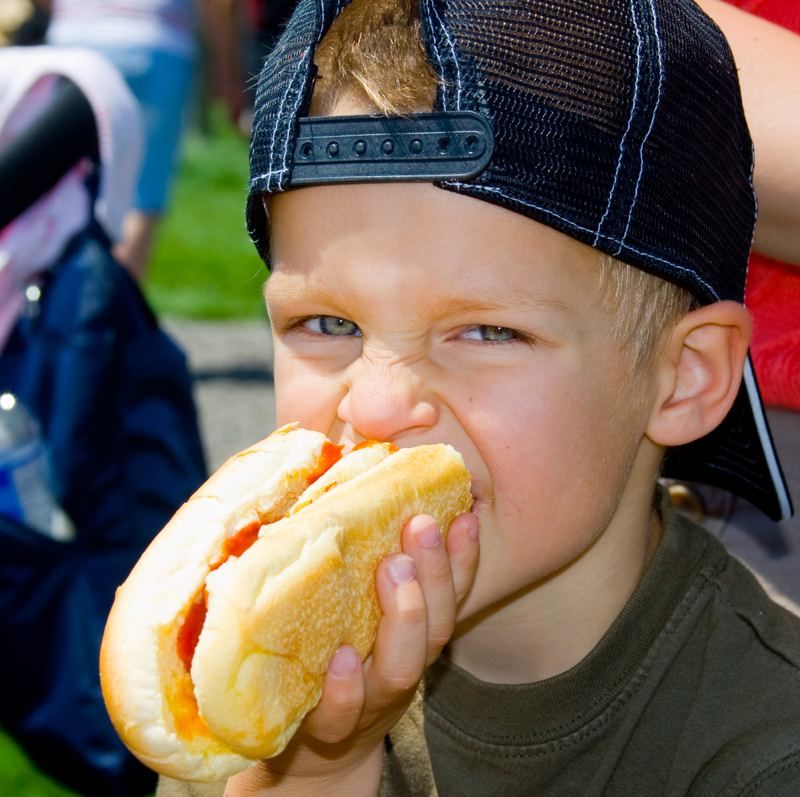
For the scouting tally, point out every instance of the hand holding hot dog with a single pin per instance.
(220, 639)
(338, 750)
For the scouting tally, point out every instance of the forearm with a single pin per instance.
(768, 58)
(359, 780)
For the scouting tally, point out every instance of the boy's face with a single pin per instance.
(411, 314)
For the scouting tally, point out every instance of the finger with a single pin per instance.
(398, 656)
(336, 715)
(463, 547)
(423, 542)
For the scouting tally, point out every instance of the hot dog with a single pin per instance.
(218, 641)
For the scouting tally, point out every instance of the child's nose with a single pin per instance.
(386, 400)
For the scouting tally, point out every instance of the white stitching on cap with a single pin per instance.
(622, 245)
(294, 110)
(453, 53)
(430, 5)
(624, 138)
(271, 173)
(426, 9)
(652, 122)
(299, 72)
(755, 218)
(279, 115)
(275, 172)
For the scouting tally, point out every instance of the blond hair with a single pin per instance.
(643, 308)
(373, 53)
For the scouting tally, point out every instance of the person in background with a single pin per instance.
(263, 22)
(154, 44)
(221, 27)
(763, 35)
(21, 22)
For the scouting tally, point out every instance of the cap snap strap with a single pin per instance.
(429, 146)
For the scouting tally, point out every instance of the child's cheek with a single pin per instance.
(302, 395)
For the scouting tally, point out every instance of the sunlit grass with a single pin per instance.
(20, 778)
(204, 264)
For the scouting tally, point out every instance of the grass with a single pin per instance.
(18, 777)
(204, 264)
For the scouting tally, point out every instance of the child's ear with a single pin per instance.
(698, 373)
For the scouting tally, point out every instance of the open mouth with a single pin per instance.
(480, 498)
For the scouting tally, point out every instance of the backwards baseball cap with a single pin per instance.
(618, 123)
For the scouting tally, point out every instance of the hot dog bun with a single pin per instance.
(215, 651)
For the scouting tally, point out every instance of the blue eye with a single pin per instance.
(331, 325)
(490, 334)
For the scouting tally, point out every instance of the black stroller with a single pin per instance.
(112, 395)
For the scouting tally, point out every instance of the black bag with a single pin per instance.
(54, 598)
(113, 395)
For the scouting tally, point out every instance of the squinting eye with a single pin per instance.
(331, 325)
(490, 334)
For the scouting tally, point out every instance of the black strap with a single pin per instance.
(34, 162)
(429, 146)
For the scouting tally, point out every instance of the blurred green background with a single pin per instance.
(204, 266)
(19, 778)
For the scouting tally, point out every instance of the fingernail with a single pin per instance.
(429, 537)
(344, 662)
(401, 569)
(472, 527)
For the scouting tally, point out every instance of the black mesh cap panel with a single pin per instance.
(283, 94)
(619, 123)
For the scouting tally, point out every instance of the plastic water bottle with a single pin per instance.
(25, 493)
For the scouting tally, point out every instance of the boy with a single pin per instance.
(563, 313)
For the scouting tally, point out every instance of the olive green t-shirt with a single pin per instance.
(694, 690)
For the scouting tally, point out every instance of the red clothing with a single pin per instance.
(773, 288)
(773, 297)
(781, 12)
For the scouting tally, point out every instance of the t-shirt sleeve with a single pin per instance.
(781, 779)
(763, 764)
